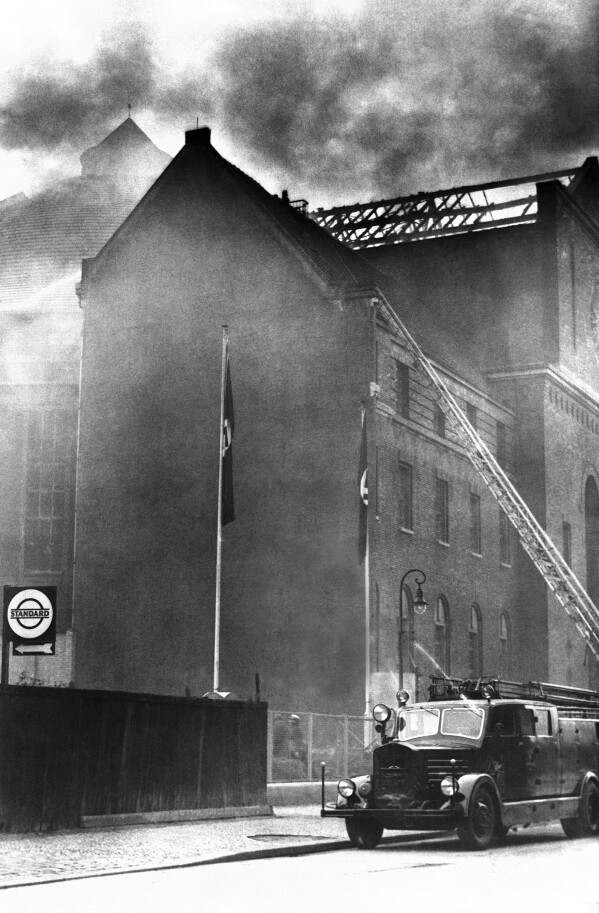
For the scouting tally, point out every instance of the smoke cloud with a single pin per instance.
(413, 98)
(58, 107)
(392, 100)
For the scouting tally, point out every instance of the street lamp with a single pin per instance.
(419, 605)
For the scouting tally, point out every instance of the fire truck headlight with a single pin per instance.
(346, 788)
(365, 788)
(403, 697)
(449, 786)
(381, 713)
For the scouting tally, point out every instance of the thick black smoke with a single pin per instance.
(412, 96)
(60, 107)
(398, 98)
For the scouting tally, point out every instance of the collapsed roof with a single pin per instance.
(474, 207)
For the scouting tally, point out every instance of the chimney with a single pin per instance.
(198, 137)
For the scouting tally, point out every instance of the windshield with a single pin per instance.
(456, 721)
(416, 723)
(464, 721)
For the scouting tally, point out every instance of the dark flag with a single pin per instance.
(227, 504)
(363, 493)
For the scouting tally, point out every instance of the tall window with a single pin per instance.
(442, 651)
(402, 389)
(475, 533)
(439, 421)
(406, 633)
(567, 542)
(442, 510)
(475, 643)
(505, 538)
(472, 415)
(505, 646)
(501, 444)
(48, 440)
(405, 496)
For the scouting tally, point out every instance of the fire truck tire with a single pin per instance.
(590, 809)
(363, 834)
(586, 823)
(571, 827)
(501, 831)
(479, 828)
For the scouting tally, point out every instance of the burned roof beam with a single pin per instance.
(410, 232)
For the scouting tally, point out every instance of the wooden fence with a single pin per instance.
(68, 753)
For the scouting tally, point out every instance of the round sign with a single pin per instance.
(30, 614)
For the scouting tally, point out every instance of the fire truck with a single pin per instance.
(480, 757)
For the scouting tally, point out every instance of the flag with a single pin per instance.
(363, 493)
(227, 504)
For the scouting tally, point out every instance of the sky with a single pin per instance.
(337, 101)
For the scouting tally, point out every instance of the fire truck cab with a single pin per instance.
(481, 758)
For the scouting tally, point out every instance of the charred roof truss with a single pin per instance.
(438, 213)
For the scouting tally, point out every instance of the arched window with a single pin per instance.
(505, 646)
(591, 516)
(591, 513)
(442, 635)
(475, 643)
(406, 635)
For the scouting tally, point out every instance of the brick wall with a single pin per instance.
(453, 571)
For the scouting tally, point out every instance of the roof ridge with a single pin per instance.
(332, 263)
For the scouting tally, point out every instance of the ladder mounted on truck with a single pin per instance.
(557, 574)
(443, 689)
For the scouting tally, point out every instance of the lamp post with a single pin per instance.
(419, 605)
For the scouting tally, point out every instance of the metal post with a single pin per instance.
(345, 743)
(219, 538)
(310, 745)
(269, 745)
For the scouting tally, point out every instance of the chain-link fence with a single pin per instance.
(298, 744)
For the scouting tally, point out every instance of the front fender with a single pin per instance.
(466, 788)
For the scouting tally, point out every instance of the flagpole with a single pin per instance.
(366, 613)
(219, 523)
(367, 625)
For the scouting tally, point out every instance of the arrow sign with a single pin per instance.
(33, 648)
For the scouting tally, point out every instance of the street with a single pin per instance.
(534, 869)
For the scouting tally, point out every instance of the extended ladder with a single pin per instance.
(557, 574)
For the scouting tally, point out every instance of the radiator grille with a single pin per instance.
(417, 774)
(438, 766)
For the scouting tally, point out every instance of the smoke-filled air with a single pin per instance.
(390, 98)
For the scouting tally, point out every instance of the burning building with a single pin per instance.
(498, 283)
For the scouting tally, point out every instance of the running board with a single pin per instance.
(539, 810)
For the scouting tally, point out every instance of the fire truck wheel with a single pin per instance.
(571, 827)
(478, 830)
(501, 831)
(589, 809)
(586, 823)
(363, 834)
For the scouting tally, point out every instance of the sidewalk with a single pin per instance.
(38, 858)
(294, 827)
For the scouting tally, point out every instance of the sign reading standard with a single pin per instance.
(30, 619)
